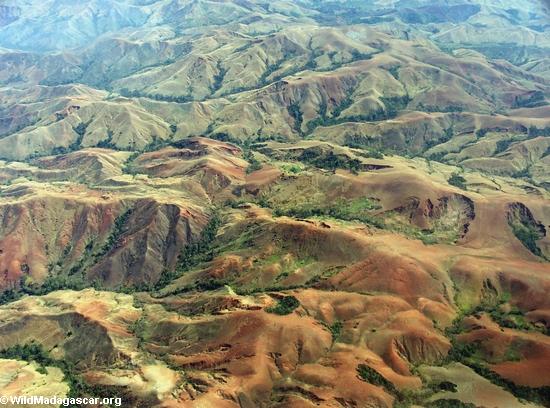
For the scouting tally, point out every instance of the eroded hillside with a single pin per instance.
(284, 204)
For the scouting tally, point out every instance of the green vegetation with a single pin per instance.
(77, 386)
(138, 329)
(372, 376)
(80, 130)
(443, 109)
(342, 209)
(336, 329)
(29, 352)
(255, 164)
(392, 106)
(481, 133)
(51, 284)
(108, 142)
(448, 135)
(195, 253)
(363, 210)
(296, 114)
(458, 181)
(284, 306)
(536, 132)
(526, 228)
(223, 137)
(157, 97)
(514, 318)
(450, 403)
(407, 398)
(331, 161)
(503, 145)
(129, 166)
(528, 235)
(532, 100)
(469, 353)
(116, 232)
(218, 78)
(291, 168)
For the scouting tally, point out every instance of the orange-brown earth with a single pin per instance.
(295, 204)
(379, 283)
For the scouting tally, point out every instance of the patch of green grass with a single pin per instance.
(438, 234)
(342, 209)
(292, 168)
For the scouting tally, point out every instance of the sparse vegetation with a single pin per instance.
(255, 164)
(116, 232)
(77, 387)
(346, 210)
(295, 113)
(526, 228)
(469, 353)
(194, 253)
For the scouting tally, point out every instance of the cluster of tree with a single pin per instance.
(218, 78)
(284, 306)
(338, 210)
(157, 97)
(466, 353)
(531, 100)
(51, 284)
(297, 115)
(536, 132)
(528, 235)
(194, 253)
(444, 109)
(330, 161)
(78, 388)
(255, 164)
(458, 181)
(392, 106)
(447, 135)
